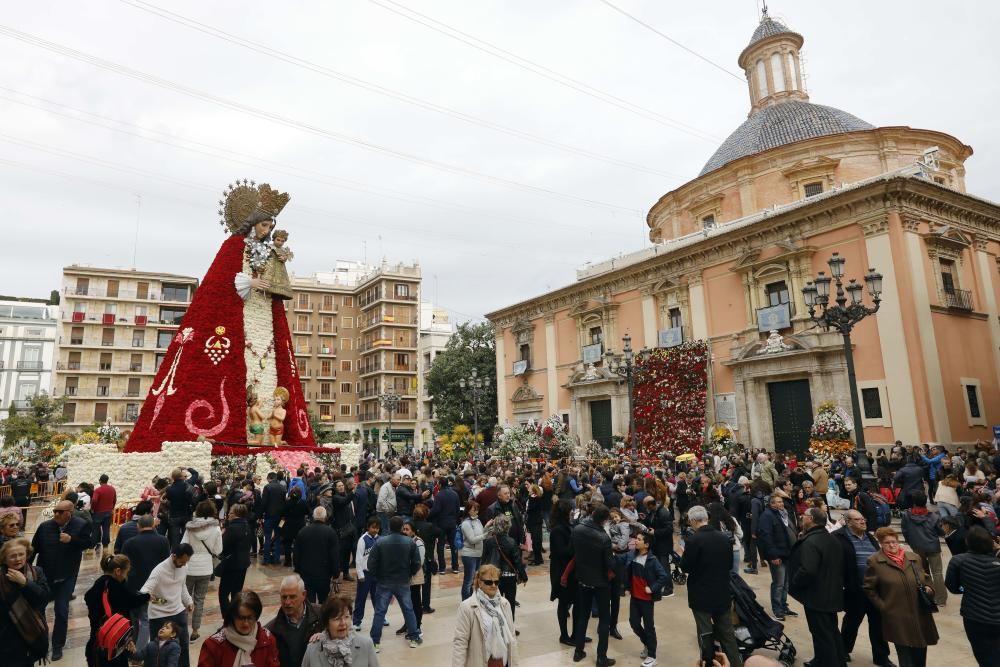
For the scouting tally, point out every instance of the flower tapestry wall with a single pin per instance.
(670, 398)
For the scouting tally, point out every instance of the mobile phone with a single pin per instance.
(707, 643)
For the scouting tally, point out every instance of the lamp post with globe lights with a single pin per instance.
(842, 317)
(473, 387)
(389, 401)
(625, 368)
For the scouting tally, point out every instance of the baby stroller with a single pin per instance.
(755, 628)
(676, 573)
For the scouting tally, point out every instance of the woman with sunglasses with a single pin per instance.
(484, 632)
(242, 639)
(10, 527)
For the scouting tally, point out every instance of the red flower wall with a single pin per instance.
(670, 396)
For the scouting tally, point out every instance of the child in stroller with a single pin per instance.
(756, 629)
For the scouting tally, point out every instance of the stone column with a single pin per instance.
(502, 403)
(649, 324)
(889, 321)
(551, 376)
(925, 328)
(699, 312)
(989, 300)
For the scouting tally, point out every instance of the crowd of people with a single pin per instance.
(613, 529)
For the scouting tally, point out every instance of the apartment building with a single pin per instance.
(114, 329)
(28, 330)
(435, 332)
(355, 333)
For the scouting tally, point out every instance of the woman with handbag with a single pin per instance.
(235, 557)
(205, 537)
(484, 629)
(24, 592)
(501, 550)
(109, 596)
(900, 589)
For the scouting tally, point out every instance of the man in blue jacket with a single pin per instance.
(775, 537)
(393, 561)
(933, 463)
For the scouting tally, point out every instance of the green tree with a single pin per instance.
(319, 428)
(473, 346)
(54, 297)
(34, 423)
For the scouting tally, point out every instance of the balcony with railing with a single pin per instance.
(170, 296)
(326, 396)
(392, 366)
(957, 299)
(329, 330)
(30, 365)
(326, 351)
(374, 366)
(324, 374)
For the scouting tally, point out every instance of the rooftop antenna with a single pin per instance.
(135, 243)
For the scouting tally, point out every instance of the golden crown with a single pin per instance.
(245, 198)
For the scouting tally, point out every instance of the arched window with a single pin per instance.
(761, 79)
(778, 72)
(790, 65)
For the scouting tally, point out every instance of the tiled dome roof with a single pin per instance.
(767, 27)
(781, 124)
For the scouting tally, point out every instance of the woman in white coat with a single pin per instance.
(205, 537)
(484, 630)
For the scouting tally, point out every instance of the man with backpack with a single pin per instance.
(920, 529)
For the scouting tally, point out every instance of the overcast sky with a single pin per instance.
(499, 180)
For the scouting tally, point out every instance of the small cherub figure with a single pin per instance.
(256, 418)
(277, 421)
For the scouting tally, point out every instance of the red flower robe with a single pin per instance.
(200, 389)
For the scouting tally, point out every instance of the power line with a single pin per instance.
(539, 69)
(238, 157)
(673, 41)
(288, 58)
(299, 125)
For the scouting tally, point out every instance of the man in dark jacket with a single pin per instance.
(393, 561)
(775, 536)
(908, 479)
(130, 529)
(816, 567)
(316, 556)
(272, 500)
(708, 558)
(758, 503)
(296, 621)
(857, 545)
(406, 498)
(660, 522)
(505, 505)
(181, 501)
(444, 515)
(595, 565)
(58, 546)
(145, 550)
(920, 529)
(953, 530)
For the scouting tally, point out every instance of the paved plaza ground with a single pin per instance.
(536, 620)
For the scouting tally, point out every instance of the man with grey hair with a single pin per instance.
(316, 556)
(385, 504)
(145, 551)
(817, 581)
(296, 621)
(708, 557)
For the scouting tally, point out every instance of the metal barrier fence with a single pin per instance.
(40, 490)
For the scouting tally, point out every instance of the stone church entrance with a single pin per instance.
(791, 415)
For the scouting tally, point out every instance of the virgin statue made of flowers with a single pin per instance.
(232, 342)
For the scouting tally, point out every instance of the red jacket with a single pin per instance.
(104, 499)
(217, 652)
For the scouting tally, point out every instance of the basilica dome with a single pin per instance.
(782, 124)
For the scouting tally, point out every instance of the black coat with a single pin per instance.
(394, 559)
(444, 512)
(145, 551)
(121, 600)
(661, 522)
(977, 578)
(272, 499)
(290, 651)
(180, 498)
(513, 512)
(852, 581)
(37, 593)
(560, 554)
(908, 479)
(317, 552)
(61, 561)
(815, 574)
(592, 550)
(773, 540)
(295, 514)
(503, 552)
(406, 500)
(343, 514)
(236, 542)
(863, 503)
(707, 558)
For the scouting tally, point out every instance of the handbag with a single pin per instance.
(26, 620)
(116, 631)
(218, 570)
(923, 597)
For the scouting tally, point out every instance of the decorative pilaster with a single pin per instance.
(699, 312)
(551, 367)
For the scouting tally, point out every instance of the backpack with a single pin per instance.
(883, 513)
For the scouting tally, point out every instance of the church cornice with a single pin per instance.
(910, 197)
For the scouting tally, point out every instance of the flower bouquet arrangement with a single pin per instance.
(459, 444)
(109, 433)
(670, 398)
(829, 436)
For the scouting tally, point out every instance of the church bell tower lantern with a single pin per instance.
(772, 65)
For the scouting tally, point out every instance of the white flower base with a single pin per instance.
(130, 473)
(350, 453)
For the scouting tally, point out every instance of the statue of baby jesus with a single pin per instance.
(277, 273)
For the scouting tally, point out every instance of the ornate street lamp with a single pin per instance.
(626, 369)
(473, 388)
(842, 317)
(389, 401)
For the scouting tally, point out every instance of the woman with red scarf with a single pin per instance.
(891, 582)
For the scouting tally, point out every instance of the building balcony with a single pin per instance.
(303, 351)
(368, 369)
(328, 397)
(71, 391)
(326, 375)
(128, 295)
(30, 365)
(326, 352)
(306, 330)
(302, 307)
(957, 299)
(332, 330)
(400, 368)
